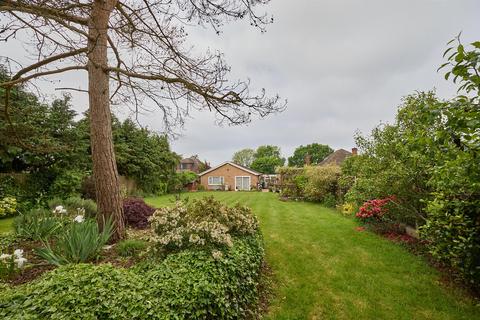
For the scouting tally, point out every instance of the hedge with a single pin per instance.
(191, 284)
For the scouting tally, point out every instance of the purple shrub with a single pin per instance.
(137, 212)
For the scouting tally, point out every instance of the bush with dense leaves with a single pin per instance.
(452, 232)
(312, 183)
(321, 183)
(137, 212)
(187, 285)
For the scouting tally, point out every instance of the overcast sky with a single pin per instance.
(343, 65)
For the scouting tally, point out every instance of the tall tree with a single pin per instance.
(267, 158)
(244, 157)
(317, 152)
(138, 48)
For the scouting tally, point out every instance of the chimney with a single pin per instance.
(354, 151)
(308, 159)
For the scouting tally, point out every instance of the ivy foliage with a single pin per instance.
(186, 285)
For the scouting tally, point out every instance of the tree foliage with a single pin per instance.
(48, 142)
(429, 160)
(244, 157)
(138, 49)
(317, 152)
(267, 158)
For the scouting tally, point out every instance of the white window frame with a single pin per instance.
(210, 181)
(249, 182)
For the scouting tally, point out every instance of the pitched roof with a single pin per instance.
(336, 157)
(255, 173)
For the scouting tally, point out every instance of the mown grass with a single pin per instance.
(6, 225)
(325, 269)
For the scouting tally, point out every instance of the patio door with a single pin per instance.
(242, 183)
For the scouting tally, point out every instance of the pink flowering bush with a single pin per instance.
(374, 210)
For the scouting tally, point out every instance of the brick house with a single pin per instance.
(338, 157)
(230, 176)
(192, 164)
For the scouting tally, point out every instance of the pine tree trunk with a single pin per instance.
(104, 165)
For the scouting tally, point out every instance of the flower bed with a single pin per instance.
(190, 284)
(212, 272)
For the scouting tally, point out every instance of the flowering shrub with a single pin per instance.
(201, 223)
(374, 209)
(10, 263)
(348, 209)
(8, 206)
(137, 212)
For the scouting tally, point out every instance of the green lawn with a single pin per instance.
(6, 225)
(325, 269)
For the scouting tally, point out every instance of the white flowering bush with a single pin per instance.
(11, 263)
(205, 222)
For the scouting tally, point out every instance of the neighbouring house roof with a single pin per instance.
(187, 160)
(336, 158)
(255, 173)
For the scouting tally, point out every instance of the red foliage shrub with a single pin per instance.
(137, 212)
(374, 209)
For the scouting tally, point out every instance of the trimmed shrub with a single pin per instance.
(322, 183)
(187, 285)
(137, 212)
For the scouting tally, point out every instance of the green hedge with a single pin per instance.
(185, 285)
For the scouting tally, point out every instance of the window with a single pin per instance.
(215, 181)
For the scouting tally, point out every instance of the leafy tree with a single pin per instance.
(267, 151)
(317, 152)
(267, 158)
(144, 156)
(137, 48)
(244, 157)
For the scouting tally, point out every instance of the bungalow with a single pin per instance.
(337, 157)
(230, 176)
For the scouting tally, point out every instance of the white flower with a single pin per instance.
(5, 256)
(79, 219)
(18, 253)
(59, 209)
(217, 255)
(20, 262)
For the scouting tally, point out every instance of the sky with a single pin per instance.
(343, 66)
